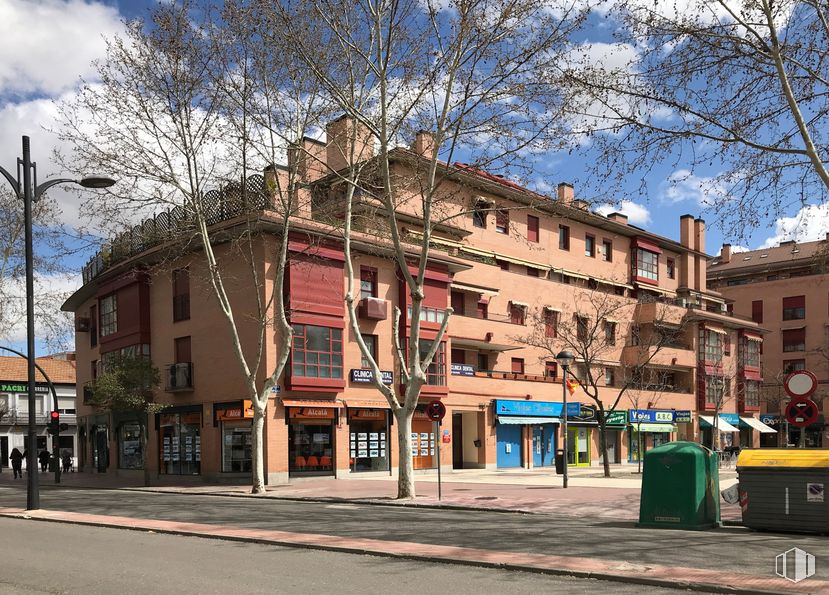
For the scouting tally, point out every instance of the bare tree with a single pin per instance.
(593, 329)
(191, 99)
(467, 73)
(739, 83)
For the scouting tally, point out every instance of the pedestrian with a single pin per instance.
(67, 461)
(17, 463)
(44, 456)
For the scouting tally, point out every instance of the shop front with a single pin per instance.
(614, 427)
(777, 423)
(727, 426)
(369, 431)
(179, 432)
(748, 425)
(235, 422)
(649, 428)
(423, 440)
(810, 436)
(580, 426)
(311, 436)
(541, 416)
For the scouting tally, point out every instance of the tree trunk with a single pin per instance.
(142, 431)
(405, 467)
(603, 444)
(257, 452)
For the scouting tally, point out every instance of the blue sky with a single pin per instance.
(48, 45)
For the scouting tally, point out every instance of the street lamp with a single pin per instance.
(29, 191)
(565, 359)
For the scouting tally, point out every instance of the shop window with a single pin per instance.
(550, 324)
(757, 311)
(532, 228)
(368, 450)
(129, 446)
(517, 365)
(502, 221)
(551, 369)
(610, 332)
(180, 438)
(436, 373)
(93, 326)
(483, 310)
(109, 315)
(458, 300)
(563, 237)
(793, 365)
(794, 308)
(371, 344)
(517, 314)
(607, 251)
(311, 445)
(479, 215)
(794, 339)
(317, 352)
(590, 246)
(181, 295)
(671, 268)
(237, 447)
(647, 264)
(368, 282)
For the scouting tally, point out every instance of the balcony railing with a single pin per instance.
(179, 377)
(17, 417)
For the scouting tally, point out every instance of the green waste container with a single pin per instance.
(784, 489)
(680, 487)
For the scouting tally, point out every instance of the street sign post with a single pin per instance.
(436, 412)
(800, 383)
(801, 411)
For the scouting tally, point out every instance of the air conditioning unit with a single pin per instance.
(82, 325)
(373, 308)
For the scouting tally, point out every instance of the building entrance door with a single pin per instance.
(578, 447)
(4, 451)
(457, 441)
(543, 445)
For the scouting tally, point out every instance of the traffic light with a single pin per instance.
(54, 423)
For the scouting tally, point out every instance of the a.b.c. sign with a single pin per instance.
(651, 416)
(435, 410)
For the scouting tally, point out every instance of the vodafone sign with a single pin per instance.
(800, 384)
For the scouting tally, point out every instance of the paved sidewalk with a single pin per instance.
(526, 491)
(651, 574)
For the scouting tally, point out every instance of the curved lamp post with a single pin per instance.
(27, 189)
(565, 359)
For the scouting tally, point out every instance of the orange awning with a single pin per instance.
(311, 403)
(363, 404)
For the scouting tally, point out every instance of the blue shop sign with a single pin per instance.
(463, 370)
(651, 416)
(367, 376)
(731, 418)
(683, 416)
(534, 408)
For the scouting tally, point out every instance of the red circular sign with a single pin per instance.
(800, 384)
(801, 412)
(435, 410)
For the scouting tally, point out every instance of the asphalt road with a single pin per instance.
(39, 557)
(729, 548)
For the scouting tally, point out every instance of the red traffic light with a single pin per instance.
(55, 415)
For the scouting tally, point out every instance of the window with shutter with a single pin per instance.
(532, 228)
(757, 311)
(794, 308)
(502, 221)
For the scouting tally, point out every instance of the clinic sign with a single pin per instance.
(367, 376)
(651, 416)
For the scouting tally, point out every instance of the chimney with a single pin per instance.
(424, 144)
(581, 204)
(343, 135)
(725, 253)
(309, 160)
(686, 231)
(566, 194)
(699, 235)
(618, 218)
(701, 263)
(687, 268)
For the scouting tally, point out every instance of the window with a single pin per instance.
(503, 264)
(94, 369)
(371, 344)
(436, 373)
(93, 326)
(516, 314)
(751, 353)
(550, 323)
(129, 446)
(757, 311)
(502, 221)
(517, 365)
(428, 314)
(479, 215)
(532, 228)
(109, 315)
(590, 246)
(726, 344)
(458, 356)
(717, 389)
(182, 349)
(751, 393)
(794, 339)
(581, 328)
(181, 295)
(671, 267)
(563, 237)
(794, 308)
(647, 264)
(610, 332)
(532, 272)
(368, 282)
(317, 352)
(483, 362)
(483, 310)
(609, 377)
(458, 302)
(551, 369)
(607, 251)
(713, 347)
(793, 365)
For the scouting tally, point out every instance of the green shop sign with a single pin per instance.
(8, 387)
(616, 418)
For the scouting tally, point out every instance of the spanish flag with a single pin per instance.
(572, 385)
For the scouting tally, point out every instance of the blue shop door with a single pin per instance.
(509, 445)
(544, 445)
(538, 446)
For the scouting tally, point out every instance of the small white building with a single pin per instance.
(14, 404)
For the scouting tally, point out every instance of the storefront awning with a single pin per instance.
(365, 404)
(722, 425)
(660, 428)
(311, 403)
(758, 425)
(526, 421)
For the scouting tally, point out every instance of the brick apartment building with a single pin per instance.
(786, 290)
(508, 254)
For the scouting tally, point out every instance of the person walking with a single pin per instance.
(17, 463)
(67, 461)
(43, 456)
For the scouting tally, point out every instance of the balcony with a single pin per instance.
(658, 312)
(21, 418)
(179, 377)
(372, 308)
(673, 356)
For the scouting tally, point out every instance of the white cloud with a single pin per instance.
(685, 186)
(636, 213)
(50, 323)
(809, 224)
(735, 248)
(47, 45)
